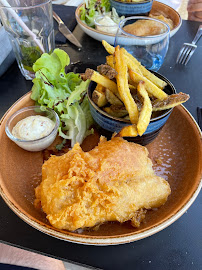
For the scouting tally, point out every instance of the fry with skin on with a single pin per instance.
(107, 71)
(116, 111)
(146, 111)
(133, 88)
(146, 73)
(99, 96)
(151, 88)
(110, 61)
(112, 99)
(169, 102)
(122, 84)
(98, 78)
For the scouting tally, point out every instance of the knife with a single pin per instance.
(65, 31)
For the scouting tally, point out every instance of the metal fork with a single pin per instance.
(188, 49)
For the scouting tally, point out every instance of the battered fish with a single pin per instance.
(164, 19)
(113, 182)
(145, 28)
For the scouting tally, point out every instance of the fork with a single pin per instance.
(188, 49)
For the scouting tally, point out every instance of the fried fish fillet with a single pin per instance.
(145, 28)
(113, 182)
(161, 17)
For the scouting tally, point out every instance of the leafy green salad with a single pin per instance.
(93, 8)
(63, 92)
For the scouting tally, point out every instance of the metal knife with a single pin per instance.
(65, 31)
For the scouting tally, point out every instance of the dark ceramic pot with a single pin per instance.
(111, 124)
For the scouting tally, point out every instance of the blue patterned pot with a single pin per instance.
(130, 8)
(110, 124)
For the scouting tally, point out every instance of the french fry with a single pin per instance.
(169, 102)
(96, 77)
(151, 88)
(107, 71)
(99, 96)
(131, 64)
(128, 131)
(146, 73)
(146, 111)
(140, 91)
(150, 76)
(127, 117)
(123, 88)
(100, 88)
(116, 111)
(110, 60)
(112, 99)
(110, 49)
(133, 88)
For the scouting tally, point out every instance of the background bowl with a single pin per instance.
(38, 144)
(157, 8)
(132, 8)
(110, 124)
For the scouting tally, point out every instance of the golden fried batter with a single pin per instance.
(145, 28)
(164, 19)
(113, 182)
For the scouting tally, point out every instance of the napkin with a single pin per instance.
(67, 14)
(199, 115)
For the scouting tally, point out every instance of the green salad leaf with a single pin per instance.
(63, 92)
(106, 5)
(93, 8)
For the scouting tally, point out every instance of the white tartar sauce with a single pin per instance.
(106, 24)
(33, 128)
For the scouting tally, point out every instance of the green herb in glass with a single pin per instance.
(29, 56)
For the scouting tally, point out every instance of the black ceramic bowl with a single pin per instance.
(110, 124)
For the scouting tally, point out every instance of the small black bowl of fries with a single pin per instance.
(129, 101)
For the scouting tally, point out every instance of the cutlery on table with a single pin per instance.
(65, 31)
(188, 49)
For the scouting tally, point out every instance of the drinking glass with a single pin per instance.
(29, 24)
(150, 50)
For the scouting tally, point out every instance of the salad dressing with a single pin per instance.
(33, 128)
(106, 24)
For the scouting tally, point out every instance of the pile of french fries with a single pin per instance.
(129, 95)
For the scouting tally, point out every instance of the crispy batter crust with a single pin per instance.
(112, 182)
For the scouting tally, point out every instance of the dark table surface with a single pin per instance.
(177, 247)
